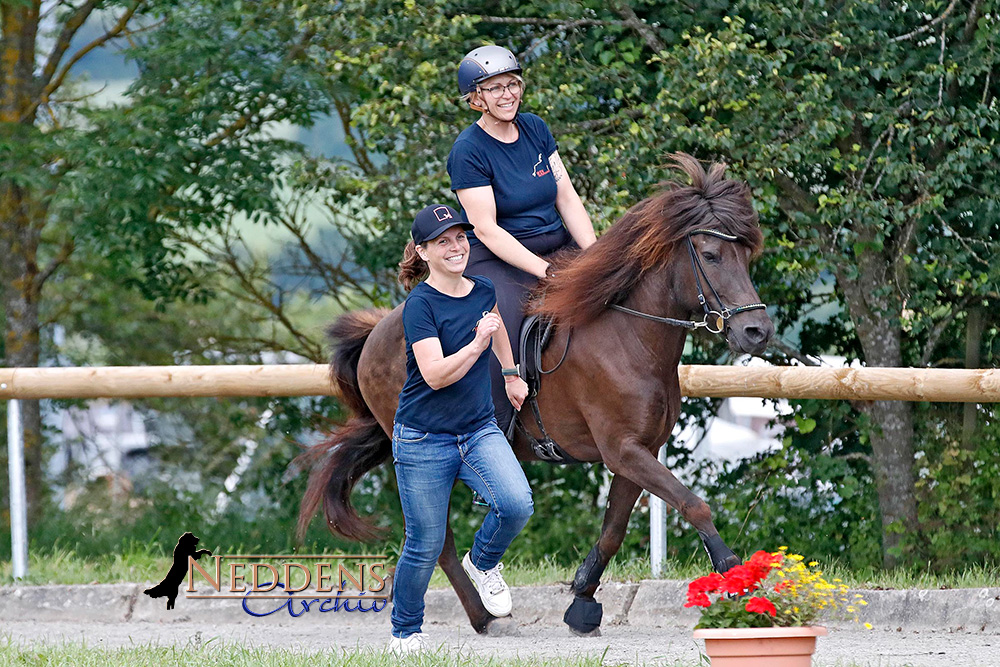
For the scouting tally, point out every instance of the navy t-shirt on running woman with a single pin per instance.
(465, 405)
(523, 185)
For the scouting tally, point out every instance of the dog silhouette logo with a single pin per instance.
(442, 213)
(186, 548)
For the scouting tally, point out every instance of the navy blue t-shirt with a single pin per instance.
(523, 185)
(465, 405)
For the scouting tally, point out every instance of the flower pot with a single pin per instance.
(761, 647)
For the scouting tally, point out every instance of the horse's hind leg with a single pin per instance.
(467, 594)
(584, 615)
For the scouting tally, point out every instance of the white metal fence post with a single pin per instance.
(18, 499)
(658, 526)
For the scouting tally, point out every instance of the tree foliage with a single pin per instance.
(186, 149)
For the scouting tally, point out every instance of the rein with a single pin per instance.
(715, 320)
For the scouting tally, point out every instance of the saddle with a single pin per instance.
(535, 334)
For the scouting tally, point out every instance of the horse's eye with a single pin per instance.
(710, 257)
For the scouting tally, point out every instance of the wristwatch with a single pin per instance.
(512, 372)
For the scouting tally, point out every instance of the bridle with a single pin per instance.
(718, 317)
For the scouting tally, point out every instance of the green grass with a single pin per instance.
(210, 654)
(137, 563)
(63, 566)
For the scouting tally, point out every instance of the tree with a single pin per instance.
(187, 148)
(867, 130)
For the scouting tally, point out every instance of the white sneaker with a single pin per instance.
(415, 643)
(493, 590)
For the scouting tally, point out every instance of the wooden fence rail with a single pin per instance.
(902, 384)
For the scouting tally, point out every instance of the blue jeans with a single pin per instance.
(427, 465)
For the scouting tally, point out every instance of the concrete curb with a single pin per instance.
(649, 603)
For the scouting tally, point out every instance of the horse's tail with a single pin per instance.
(348, 336)
(346, 455)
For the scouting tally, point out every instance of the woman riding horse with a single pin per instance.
(678, 260)
(513, 188)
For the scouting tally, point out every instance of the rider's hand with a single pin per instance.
(517, 391)
(485, 328)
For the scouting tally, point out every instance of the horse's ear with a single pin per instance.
(716, 172)
(689, 165)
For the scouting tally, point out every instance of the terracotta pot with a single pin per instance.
(761, 647)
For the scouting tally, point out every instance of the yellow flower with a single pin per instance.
(868, 626)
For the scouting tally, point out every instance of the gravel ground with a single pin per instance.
(618, 643)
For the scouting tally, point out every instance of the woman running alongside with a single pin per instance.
(445, 427)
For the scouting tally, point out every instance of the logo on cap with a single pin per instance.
(442, 213)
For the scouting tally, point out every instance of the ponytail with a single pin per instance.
(412, 269)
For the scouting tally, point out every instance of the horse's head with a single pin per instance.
(704, 231)
(711, 265)
(718, 273)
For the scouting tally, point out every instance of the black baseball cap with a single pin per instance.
(433, 220)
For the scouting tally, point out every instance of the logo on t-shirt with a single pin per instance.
(442, 213)
(537, 170)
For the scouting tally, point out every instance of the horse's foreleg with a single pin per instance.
(467, 594)
(584, 614)
(641, 466)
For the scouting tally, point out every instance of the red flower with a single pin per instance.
(697, 600)
(761, 606)
(707, 584)
(739, 580)
(767, 558)
(762, 562)
(698, 588)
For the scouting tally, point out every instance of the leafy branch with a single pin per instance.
(924, 28)
(73, 24)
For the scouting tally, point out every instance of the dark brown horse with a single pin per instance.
(627, 300)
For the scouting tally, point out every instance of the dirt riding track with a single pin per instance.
(643, 622)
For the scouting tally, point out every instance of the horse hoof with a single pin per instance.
(502, 627)
(596, 632)
(584, 615)
(481, 625)
(729, 563)
(723, 558)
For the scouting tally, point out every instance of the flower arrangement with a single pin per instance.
(771, 589)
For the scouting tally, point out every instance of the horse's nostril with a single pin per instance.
(755, 334)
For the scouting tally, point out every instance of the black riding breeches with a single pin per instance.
(512, 285)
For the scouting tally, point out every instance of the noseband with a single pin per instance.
(715, 321)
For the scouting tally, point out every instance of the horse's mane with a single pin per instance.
(587, 281)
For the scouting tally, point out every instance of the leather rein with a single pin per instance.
(715, 320)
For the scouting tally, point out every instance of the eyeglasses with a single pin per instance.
(496, 92)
